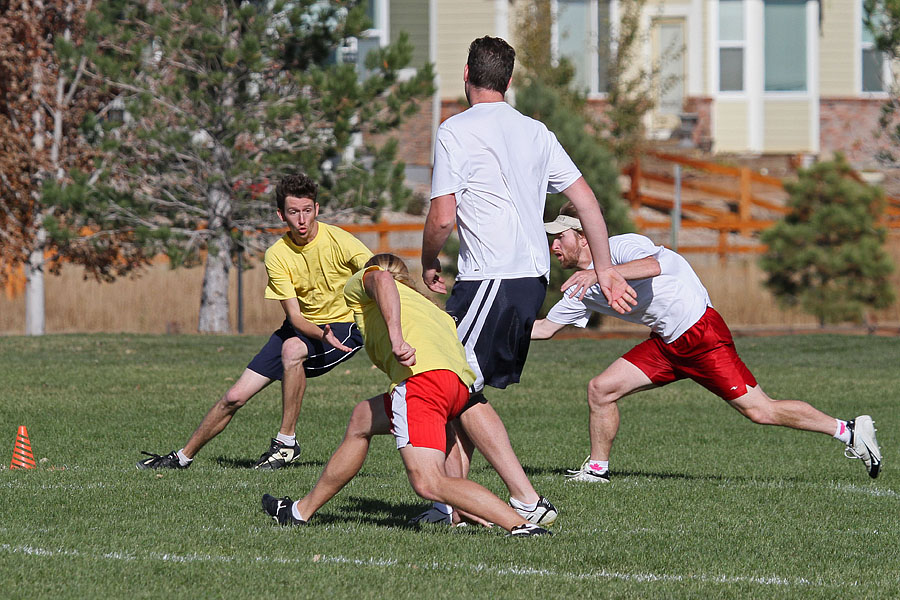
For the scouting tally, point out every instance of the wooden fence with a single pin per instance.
(734, 202)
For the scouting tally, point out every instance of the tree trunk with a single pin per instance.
(34, 286)
(214, 295)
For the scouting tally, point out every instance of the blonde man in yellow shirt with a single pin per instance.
(415, 344)
(307, 269)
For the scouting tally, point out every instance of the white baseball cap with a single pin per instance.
(562, 223)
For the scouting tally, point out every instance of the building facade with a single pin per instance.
(756, 76)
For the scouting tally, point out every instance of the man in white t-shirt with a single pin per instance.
(493, 169)
(689, 339)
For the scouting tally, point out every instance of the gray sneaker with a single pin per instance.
(432, 515)
(863, 444)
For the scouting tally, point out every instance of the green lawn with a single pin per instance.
(703, 503)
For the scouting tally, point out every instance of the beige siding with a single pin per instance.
(460, 22)
(786, 126)
(838, 55)
(411, 16)
(730, 133)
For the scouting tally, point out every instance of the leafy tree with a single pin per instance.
(222, 97)
(44, 156)
(826, 256)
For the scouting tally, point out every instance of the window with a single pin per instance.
(355, 50)
(784, 25)
(582, 36)
(731, 45)
(873, 63)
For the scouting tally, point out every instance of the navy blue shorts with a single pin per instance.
(322, 356)
(493, 321)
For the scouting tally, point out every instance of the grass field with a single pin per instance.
(703, 503)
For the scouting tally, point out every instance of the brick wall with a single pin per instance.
(850, 125)
(414, 136)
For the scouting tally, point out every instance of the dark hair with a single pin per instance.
(298, 186)
(568, 210)
(490, 63)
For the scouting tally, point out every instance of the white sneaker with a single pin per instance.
(863, 444)
(544, 513)
(586, 473)
(432, 515)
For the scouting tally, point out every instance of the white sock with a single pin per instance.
(444, 508)
(600, 466)
(522, 505)
(296, 512)
(183, 460)
(842, 432)
(287, 440)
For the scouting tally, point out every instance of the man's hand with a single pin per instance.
(581, 281)
(329, 337)
(615, 288)
(619, 294)
(433, 280)
(404, 353)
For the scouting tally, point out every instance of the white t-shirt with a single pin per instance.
(669, 304)
(501, 165)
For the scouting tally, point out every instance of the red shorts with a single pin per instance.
(420, 407)
(704, 353)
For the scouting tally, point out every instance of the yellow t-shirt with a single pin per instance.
(315, 274)
(428, 329)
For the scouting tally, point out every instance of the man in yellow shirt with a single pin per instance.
(307, 270)
(415, 344)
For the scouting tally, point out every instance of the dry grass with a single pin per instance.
(167, 301)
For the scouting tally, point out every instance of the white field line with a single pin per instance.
(771, 580)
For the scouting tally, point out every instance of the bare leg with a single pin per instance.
(368, 419)
(425, 468)
(486, 430)
(604, 391)
(293, 383)
(757, 406)
(218, 417)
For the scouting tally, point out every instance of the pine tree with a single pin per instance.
(221, 98)
(826, 256)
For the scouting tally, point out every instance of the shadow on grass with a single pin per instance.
(671, 475)
(386, 514)
(247, 463)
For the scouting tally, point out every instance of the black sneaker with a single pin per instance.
(277, 455)
(280, 510)
(527, 530)
(169, 461)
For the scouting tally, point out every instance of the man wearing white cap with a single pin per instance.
(689, 339)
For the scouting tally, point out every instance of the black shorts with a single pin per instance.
(321, 358)
(493, 321)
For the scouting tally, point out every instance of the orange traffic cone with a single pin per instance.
(22, 457)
